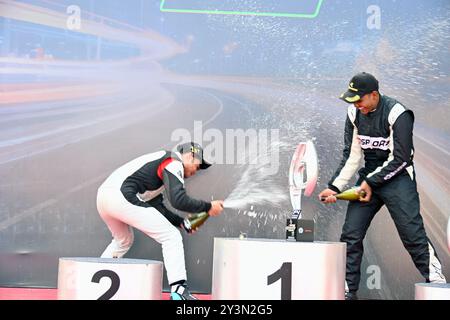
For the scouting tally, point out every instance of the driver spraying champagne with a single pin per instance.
(132, 197)
(379, 133)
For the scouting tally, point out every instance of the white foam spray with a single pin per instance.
(258, 185)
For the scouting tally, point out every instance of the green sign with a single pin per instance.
(310, 15)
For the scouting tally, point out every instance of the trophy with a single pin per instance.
(302, 178)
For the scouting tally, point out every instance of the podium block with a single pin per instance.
(270, 269)
(432, 291)
(104, 279)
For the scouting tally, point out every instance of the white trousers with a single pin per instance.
(120, 216)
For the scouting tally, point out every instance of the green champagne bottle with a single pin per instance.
(349, 194)
(197, 219)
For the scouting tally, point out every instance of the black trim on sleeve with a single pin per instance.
(330, 186)
(178, 197)
(158, 204)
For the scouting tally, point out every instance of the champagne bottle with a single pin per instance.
(195, 220)
(349, 194)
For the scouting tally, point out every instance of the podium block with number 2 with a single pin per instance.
(105, 279)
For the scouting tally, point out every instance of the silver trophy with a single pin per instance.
(303, 174)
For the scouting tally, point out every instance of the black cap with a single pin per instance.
(197, 152)
(361, 84)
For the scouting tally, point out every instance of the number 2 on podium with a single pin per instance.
(115, 283)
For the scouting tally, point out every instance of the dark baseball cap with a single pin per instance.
(361, 84)
(197, 152)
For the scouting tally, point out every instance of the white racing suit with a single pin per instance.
(131, 197)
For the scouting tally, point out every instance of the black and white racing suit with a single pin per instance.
(385, 138)
(132, 197)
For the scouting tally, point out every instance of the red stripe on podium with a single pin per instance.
(51, 294)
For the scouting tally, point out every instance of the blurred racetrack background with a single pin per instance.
(86, 86)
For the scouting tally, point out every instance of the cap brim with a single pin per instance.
(205, 165)
(350, 96)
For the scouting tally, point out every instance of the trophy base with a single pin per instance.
(300, 230)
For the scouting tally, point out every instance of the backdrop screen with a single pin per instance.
(86, 86)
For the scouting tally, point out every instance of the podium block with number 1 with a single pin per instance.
(270, 269)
